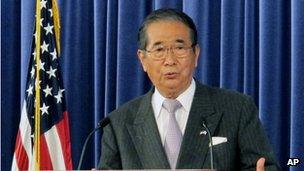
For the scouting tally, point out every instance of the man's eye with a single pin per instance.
(160, 49)
(180, 47)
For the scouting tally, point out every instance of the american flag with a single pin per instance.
(53, 142)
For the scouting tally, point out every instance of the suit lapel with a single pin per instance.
(194, 147)
(146, 138)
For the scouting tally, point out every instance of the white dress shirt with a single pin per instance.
(182, 114)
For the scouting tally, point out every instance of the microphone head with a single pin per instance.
(104, 122)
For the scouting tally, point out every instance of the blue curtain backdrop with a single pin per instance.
(252, 46)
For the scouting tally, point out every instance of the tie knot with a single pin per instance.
(171, 105)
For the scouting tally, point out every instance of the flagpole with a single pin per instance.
(56, 24)
(37, 88)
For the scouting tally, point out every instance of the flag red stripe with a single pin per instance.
(45, 160)
(63, 131)
(20, 154)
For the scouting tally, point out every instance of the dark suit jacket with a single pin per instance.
(132, 140)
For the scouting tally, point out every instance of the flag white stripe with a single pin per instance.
(25, 136)
(55, 150)
(32, 161)
(25, 133)
(14, 164)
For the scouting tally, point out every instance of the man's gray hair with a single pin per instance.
(165, 14)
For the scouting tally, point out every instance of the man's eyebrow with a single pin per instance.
(157, 43)
(161, 42)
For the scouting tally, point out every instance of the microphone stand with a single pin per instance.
(101, 124)
(211, 144)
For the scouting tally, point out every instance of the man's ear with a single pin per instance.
(197, 52)
(142, 57)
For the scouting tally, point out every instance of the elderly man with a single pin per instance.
(167, 128)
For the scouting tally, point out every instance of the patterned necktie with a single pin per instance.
(174, 137)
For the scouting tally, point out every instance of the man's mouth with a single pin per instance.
(170, 75)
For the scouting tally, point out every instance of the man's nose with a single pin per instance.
(169, 57)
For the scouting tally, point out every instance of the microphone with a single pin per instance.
(211, 143)
(101, 124)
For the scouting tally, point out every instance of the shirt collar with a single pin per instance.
(158, 100)
(185, 98)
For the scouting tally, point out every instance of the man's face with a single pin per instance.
(171, 73)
